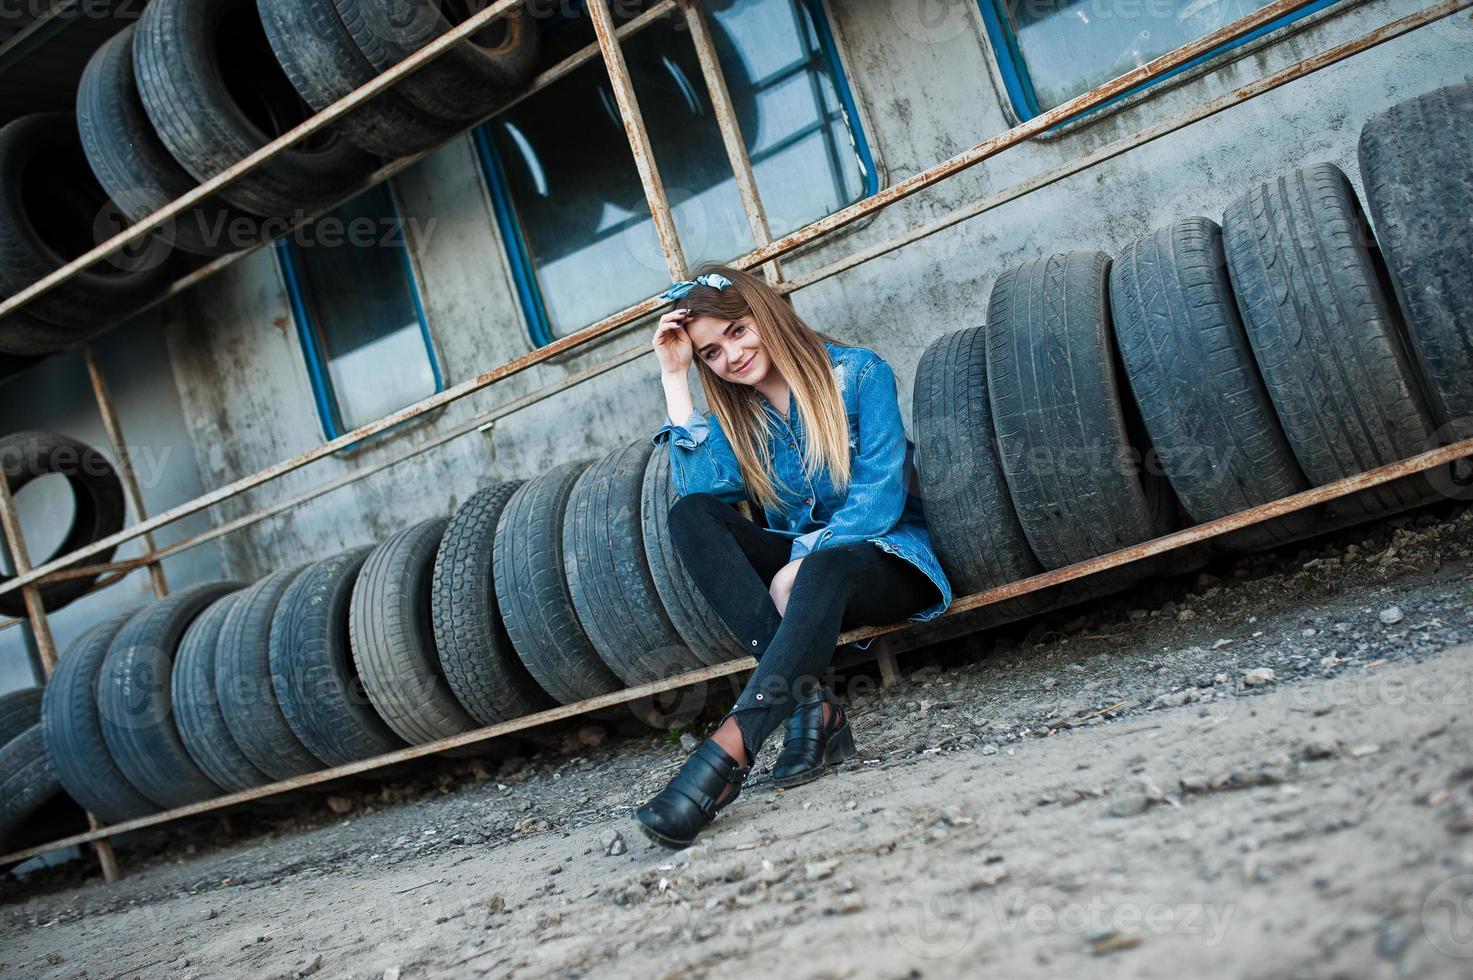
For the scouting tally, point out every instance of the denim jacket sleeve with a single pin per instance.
(701, 458)
(875, 499)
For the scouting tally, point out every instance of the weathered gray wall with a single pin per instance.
(926, 92)
(56, 396)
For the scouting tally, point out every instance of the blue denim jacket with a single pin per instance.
(877, 506)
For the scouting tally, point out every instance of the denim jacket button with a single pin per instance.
(809, 501)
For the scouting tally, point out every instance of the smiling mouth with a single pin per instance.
(745, 364)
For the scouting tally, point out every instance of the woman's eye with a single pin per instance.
(740, 329)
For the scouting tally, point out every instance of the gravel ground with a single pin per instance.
(1262, 770)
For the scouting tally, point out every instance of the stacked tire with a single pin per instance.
(1247, 361)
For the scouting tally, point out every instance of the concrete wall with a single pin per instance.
(56, 396)
(926, 90)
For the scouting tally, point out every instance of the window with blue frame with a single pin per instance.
(1050, 51)
(563, 182)
(358, 312)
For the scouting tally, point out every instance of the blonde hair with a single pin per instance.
(797, 353)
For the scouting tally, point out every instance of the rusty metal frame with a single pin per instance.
(1420, 463)
(765, 255)
(775, 249)
(639, 139)
(731, 133)
(1238, 96)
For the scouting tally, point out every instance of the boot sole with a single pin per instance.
(840, 748)
(661, 839)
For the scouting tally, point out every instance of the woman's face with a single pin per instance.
(730, 348)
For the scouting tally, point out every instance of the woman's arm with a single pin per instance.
(701, 458)
(876, 496)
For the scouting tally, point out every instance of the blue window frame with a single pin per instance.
(358, 312)
(563, 184)
(1050, 51)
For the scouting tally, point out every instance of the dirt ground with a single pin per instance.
(1121, 790)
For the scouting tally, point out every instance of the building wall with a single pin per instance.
(56, 396)
(926, 90)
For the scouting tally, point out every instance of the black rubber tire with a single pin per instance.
(51, 207)
(608, 577)
(476, 653)
(319, 56)
(692, 616)
(197, 116)
(19, 710)
(974, 528)
(1194, 378)
(1416, 160)
(97, 496)
(1072, 459)
(243, 683)
(134, 701)
(73, 729)
(465, 83)
(533, 594)
(394, 641)
(1326, 334)
(312, 668)
(27, 781)
(24, 340)
(197, 712)
(133, 165)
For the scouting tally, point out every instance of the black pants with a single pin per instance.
(733, 562)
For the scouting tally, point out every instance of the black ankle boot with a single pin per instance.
(811, 746)
(688, 802)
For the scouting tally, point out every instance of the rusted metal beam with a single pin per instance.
(45, 645)
(731, 131)
(1238, 96)
(114, 428)
(1200, 532)
(139, 230)
(20, 558)
(639, 138)
(1422, 462)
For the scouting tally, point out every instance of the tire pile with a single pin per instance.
(1211, 368)
(193, 87)
(532, 594)
(1253, 358)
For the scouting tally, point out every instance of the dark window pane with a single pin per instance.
(576, 195)
(359, 300)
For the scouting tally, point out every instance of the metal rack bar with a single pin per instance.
(114, 429)
(15, 541)
(1422, 462)
(639, 139)
(897, 192)
(731, 132)
(41, 630)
